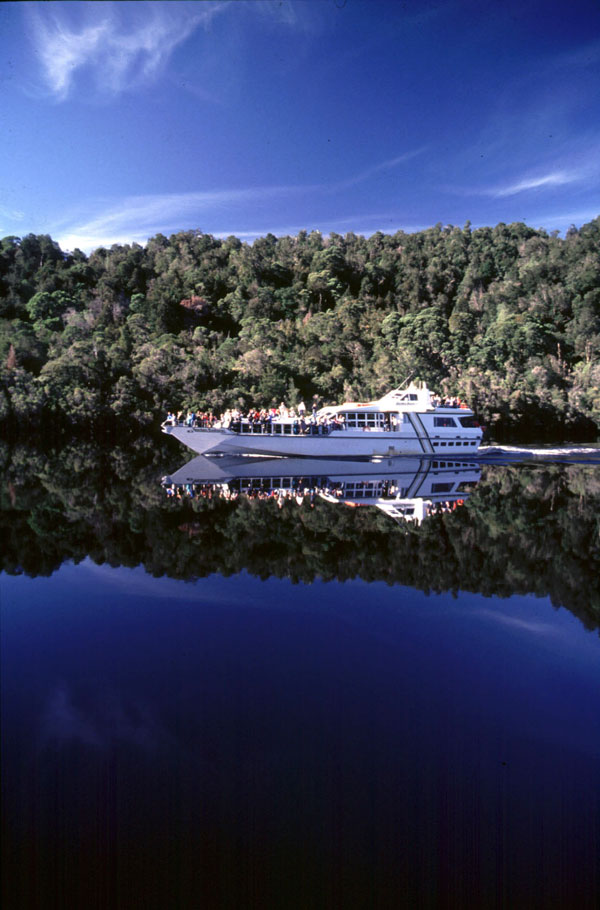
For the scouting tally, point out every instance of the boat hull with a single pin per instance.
(341, 443)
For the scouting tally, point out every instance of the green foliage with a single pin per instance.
(507, 317)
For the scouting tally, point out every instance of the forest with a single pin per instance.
(524, 529)
(506, 317)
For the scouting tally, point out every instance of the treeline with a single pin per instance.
(525, 529)
(507, 318)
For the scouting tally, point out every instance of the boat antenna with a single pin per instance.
(409, 377)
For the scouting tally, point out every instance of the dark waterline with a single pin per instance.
(235, 743)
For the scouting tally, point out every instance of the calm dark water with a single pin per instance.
(234, 742)
(231, 742)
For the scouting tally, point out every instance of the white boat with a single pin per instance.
(403, 422)
(404, 488)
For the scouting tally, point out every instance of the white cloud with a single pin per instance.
(64, 722)
(105, 721)
(561, 221)
(388, 165)
(137, 218)
(517, 622)
(139, 583)
(281, 10)
(575, 167)
(222, 213)
(554, 179)
(580, 57)
(122, 45)
(11, 214)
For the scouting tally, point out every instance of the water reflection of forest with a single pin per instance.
(525, 528)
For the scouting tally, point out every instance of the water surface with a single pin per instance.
(232, 742)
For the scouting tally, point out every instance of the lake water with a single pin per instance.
(218, 695)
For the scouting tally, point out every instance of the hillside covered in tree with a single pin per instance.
(506, 317)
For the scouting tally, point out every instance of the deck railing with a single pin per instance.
(247, 427)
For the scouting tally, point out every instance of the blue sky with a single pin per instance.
(122, 120)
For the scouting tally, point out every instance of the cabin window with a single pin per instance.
(441, 487)
(468, 422)
(444, 422)
(360, 420)
(362, 489)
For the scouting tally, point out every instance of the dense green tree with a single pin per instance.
(508, 315)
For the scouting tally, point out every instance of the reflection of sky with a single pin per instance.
(271, 710)
(111, 720)
(139, 583)
(87, 618)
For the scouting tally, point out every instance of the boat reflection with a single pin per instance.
(404, 488)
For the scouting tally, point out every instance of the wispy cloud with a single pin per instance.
(138, 217)
(557, 178)
(138, 583)
(580, 57)
(361, 224)
(383, 166)
(123, 46)
(103, 723)
(574, 167)
(281, 10)
(561, 221)
(11, 214)
(517, 622)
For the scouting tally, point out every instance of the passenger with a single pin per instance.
(301, 409)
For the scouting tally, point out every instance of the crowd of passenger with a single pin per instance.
(439, 508)
(439, 401)
(299, 491)
(260, 419)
